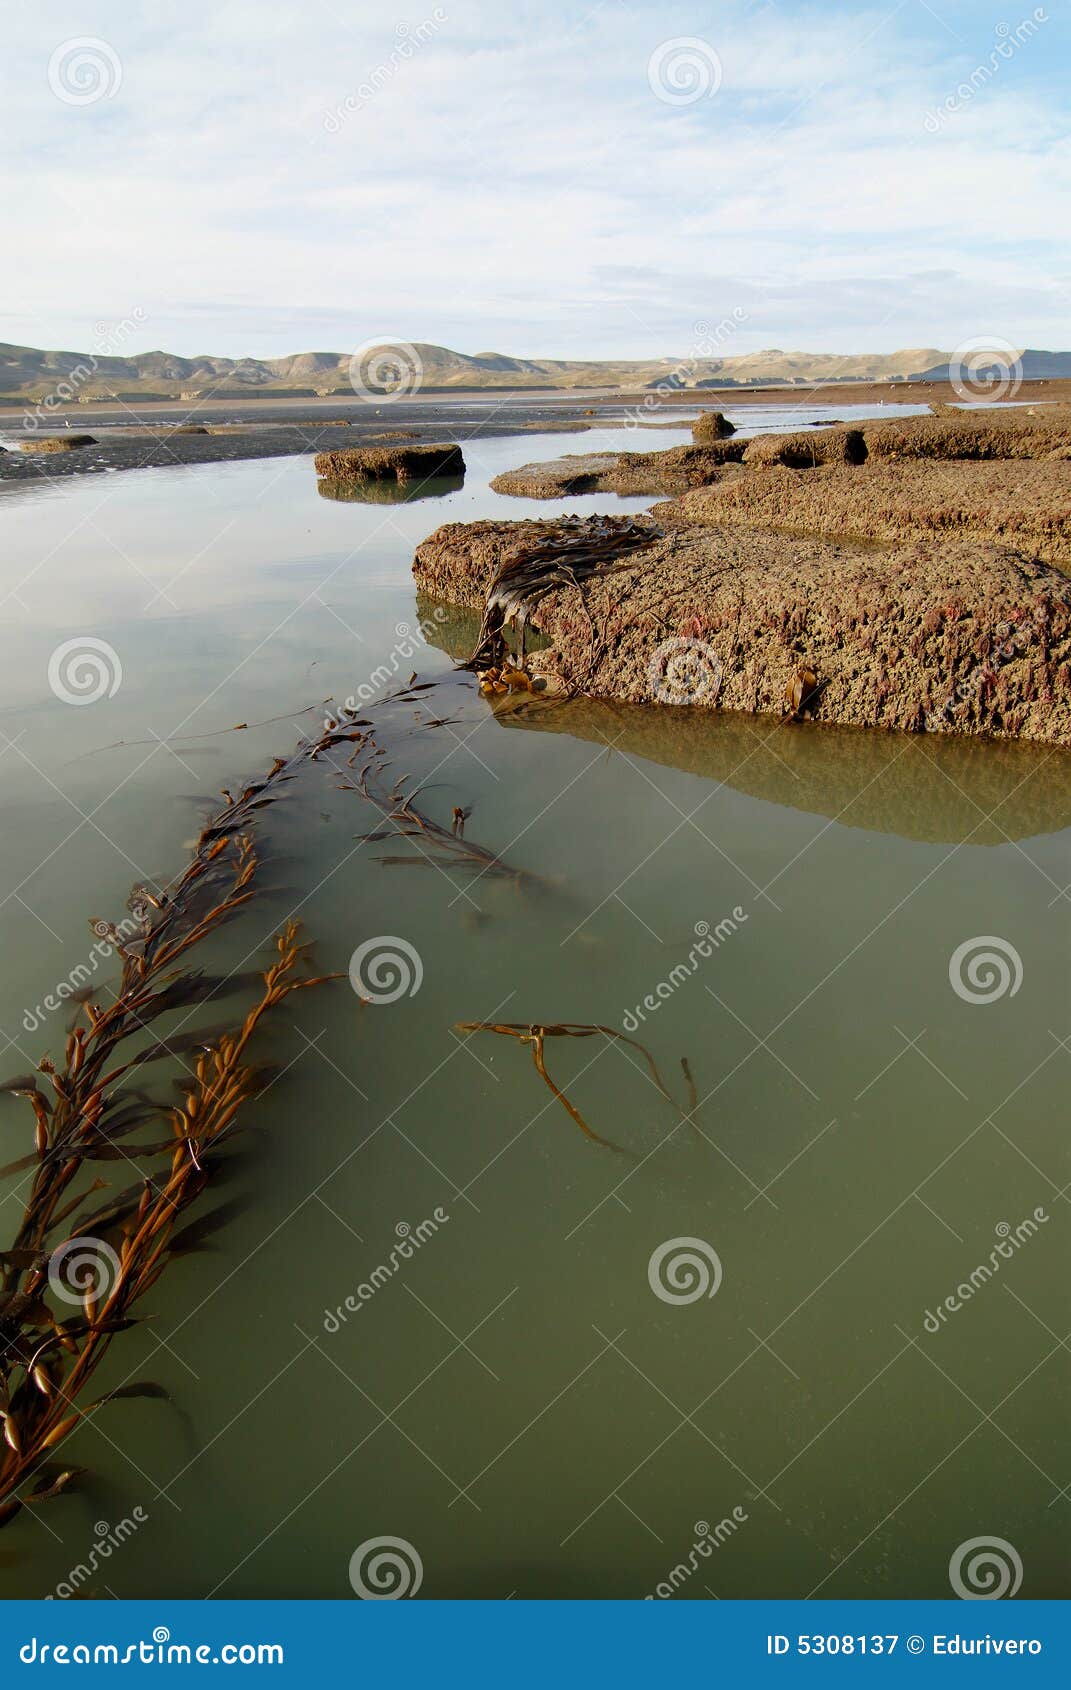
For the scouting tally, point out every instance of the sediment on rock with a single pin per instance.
(712, 425)
(950, 638)
(57, 442)
(673, 471)
(1002, 432)
(390, 463)
(806, 450)
(1012, 502)
(998, 436)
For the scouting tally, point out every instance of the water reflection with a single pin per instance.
(938, 790)
(861, 1134)
(930, 788)
(390, 492)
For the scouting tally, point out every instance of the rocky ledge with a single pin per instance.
(900, 574)
(390, 463)
(56, 442)
(674, 471)
(945, 637)
(1009, 502)
(1004, 477)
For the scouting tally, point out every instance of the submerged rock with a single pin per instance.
(382, 492)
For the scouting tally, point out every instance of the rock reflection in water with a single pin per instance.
(931, 788)
(928, 787)
(372, 492)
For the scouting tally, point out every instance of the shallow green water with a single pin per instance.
(516, 1401)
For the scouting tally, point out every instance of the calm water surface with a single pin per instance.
(516, 1401)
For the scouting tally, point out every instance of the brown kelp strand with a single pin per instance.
(582, 547)
(437, 846)
(98, 1262)
(105, 1260)
(534, 1034)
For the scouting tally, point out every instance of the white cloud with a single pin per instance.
(515, 181)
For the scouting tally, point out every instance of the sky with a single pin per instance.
(604, 179)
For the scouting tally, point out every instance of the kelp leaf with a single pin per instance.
(45, 1491)
(140, 1388)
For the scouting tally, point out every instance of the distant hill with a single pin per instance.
(27, 373)
(1034, 366)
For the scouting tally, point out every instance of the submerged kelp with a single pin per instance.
(110, 1257)
(100, 1261)
(436, 846)
(534, 1034)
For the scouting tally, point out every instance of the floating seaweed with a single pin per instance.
(107, 1259)
(102, 1262)
(438, 846)
(580, 548)
(534, 1033)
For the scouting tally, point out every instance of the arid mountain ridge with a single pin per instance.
(30, 373)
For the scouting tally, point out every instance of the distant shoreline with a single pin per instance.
(127, 437)
(283, 406)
